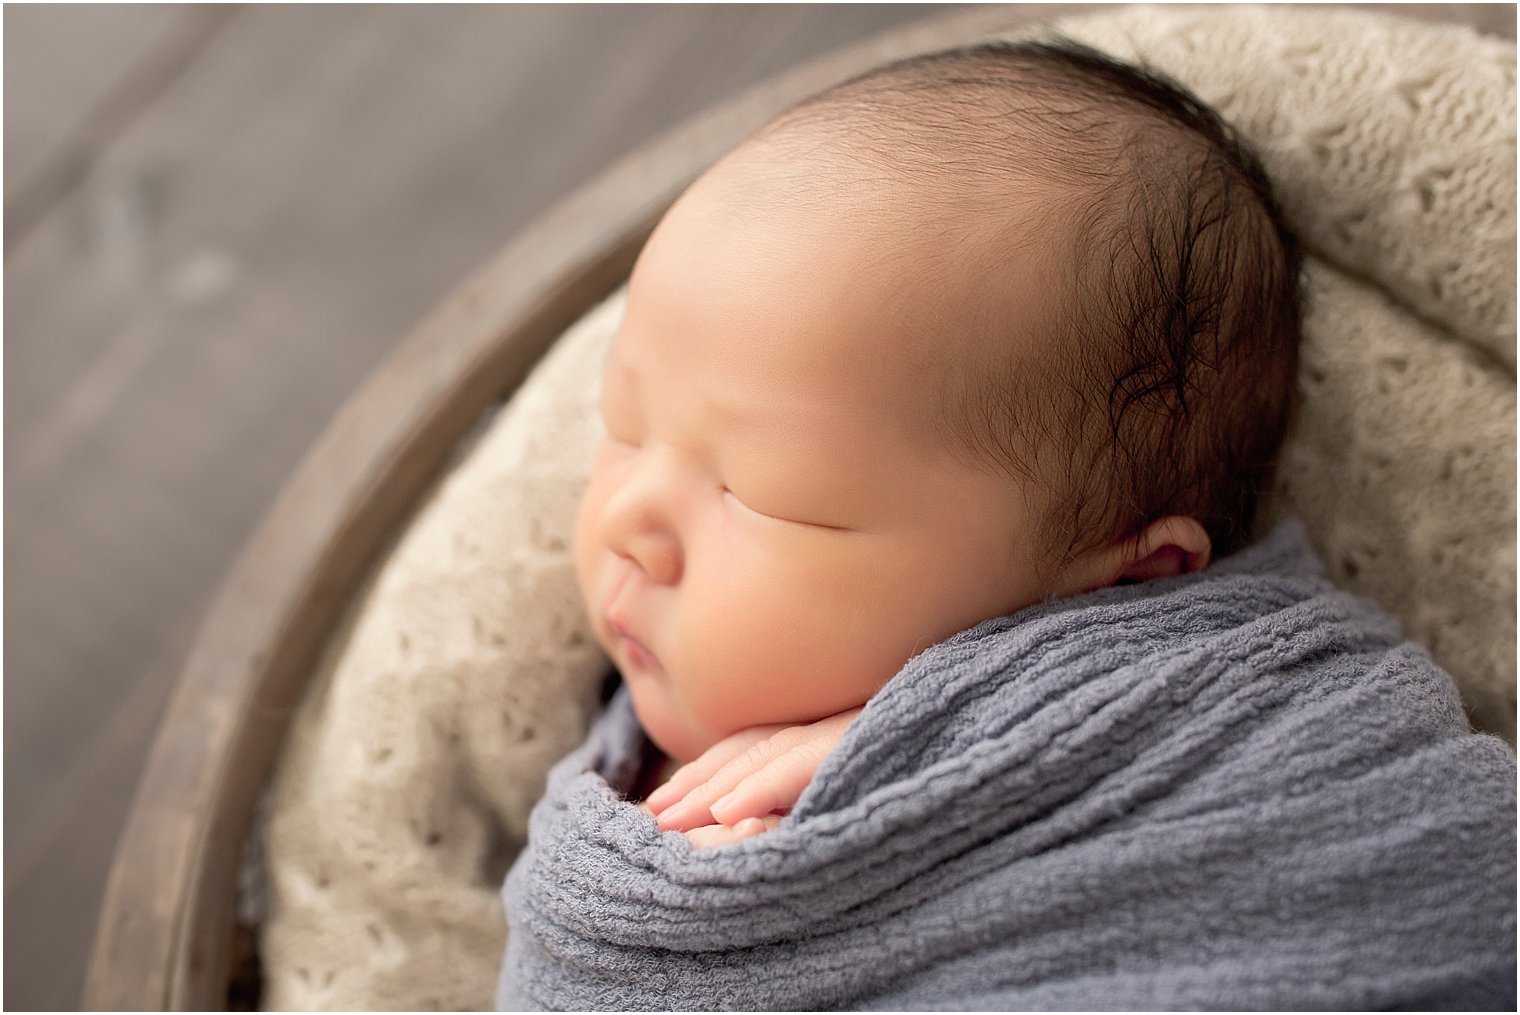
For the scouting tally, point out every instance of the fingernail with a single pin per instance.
(723, 803)
(677, 818)
(660, 798)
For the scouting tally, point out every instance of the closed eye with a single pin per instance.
(735, 499)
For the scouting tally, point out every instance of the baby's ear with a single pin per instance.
(1171, 546)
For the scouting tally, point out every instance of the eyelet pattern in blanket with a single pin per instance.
(467, 669)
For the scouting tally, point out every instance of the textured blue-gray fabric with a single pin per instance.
(1240, 789)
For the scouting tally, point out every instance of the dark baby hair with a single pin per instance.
(1170, 382)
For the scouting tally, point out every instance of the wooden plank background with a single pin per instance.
(217, 220)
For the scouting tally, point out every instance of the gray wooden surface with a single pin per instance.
(217, 221)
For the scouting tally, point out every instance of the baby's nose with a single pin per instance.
(657, 555)
(639, 523)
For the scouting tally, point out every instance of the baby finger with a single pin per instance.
(777, 786)
(692, 775)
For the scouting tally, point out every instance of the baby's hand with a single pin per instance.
(741, 785)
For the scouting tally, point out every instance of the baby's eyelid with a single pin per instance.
(730, 495)
(777, 518)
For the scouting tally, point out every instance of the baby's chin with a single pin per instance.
(677, 737)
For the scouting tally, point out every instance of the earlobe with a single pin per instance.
(1170, 546)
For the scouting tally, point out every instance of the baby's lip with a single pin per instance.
(637, 650)
(619, 626)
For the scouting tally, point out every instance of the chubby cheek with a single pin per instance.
(777, 637)
(788, 638)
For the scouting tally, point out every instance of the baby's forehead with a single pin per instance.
(864, 305)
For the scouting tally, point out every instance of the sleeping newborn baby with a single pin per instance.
(932, 404)
(929, 350)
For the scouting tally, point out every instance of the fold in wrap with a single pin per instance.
(1239, 789)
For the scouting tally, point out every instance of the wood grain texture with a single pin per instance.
(100, 66)
(75, 56)
(238, 255)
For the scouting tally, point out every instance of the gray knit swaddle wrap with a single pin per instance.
(1240, 789)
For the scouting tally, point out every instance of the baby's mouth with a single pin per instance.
(632, 648)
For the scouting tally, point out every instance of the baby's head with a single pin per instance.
(966, 333)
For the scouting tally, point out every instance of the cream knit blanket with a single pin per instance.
(466, 668)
